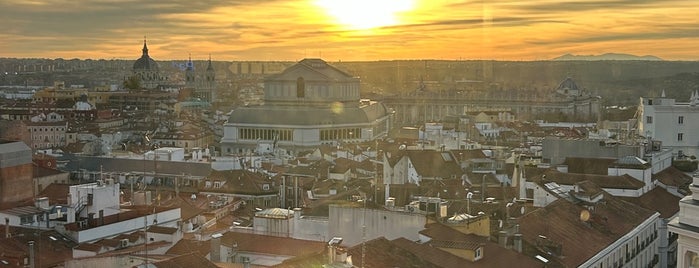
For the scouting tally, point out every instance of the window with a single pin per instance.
(680, 120)
(649, 119)
(300, 88)
(680, 136)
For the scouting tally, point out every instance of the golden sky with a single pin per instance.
(348, 30)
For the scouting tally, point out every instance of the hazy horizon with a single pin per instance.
(361, 30)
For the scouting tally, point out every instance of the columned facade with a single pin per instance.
(308, 104)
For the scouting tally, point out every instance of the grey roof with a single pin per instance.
(316, 67)
(301, 115)
(568, 84)
(276, 213)
(145, 62)
(136, 165)
(14, 153)
(631, 161)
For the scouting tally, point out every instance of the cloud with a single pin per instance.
(284, 29)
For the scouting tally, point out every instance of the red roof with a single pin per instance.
(272, 244)
(560, 223)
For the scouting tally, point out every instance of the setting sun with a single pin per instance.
(365, 14)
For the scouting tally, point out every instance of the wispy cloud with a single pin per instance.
(291, 29)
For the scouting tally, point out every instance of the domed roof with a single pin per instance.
(145, 62)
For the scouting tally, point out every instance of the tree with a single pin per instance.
(132, 83)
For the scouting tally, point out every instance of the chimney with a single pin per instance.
(331, 254)
(216, 248)
(502, 239)
(31, 254)
(7, 227)
(518, 243)
(246, 262)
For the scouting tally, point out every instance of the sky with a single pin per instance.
(351, 30)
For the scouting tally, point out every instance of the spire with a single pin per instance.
(190, 64)
(662, 95)
(210, 67)
(145, 47)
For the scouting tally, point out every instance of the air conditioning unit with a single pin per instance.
(124, 243)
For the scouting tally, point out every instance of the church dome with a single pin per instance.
(145, 62)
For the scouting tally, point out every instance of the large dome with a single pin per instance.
(145, 62)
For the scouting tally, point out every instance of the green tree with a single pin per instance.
(132, 83)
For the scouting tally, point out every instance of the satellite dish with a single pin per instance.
(585, 215)
(402, 147)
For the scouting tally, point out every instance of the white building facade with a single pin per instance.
(674, 123)
(686, 226)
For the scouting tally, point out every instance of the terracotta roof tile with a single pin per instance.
(560, 223)
(272, 244)
(672, 176)
(659, 200)
(185, 261)
(186, 246)
(617, 182)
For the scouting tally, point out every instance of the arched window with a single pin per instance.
(300, 88)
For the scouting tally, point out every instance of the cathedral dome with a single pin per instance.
(145, 63)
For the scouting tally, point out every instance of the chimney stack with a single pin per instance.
(246, 263)
(216, 248)
(502, 239)
(518, 243)
(7, 227)
(31, 254)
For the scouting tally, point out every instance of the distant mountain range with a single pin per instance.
(607, 56)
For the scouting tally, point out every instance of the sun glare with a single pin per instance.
(366, 14)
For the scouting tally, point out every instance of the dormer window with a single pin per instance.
(265, 187)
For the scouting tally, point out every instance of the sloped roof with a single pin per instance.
(588, 165)
(672, 176)
(616, 182)
(187, 246)
(161, 230)
(567, 84)
(560, 223)
(57, 193)
(631, 162)
(493, 256)
(312, 67)
(439, 231)
(186, 261)
(435, 164)
(272, 244)
(241, 182)
(659, 200)
(275, 213)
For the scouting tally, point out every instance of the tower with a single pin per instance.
(190, 76)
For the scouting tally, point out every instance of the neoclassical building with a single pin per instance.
(306, 105)
(567, 99)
